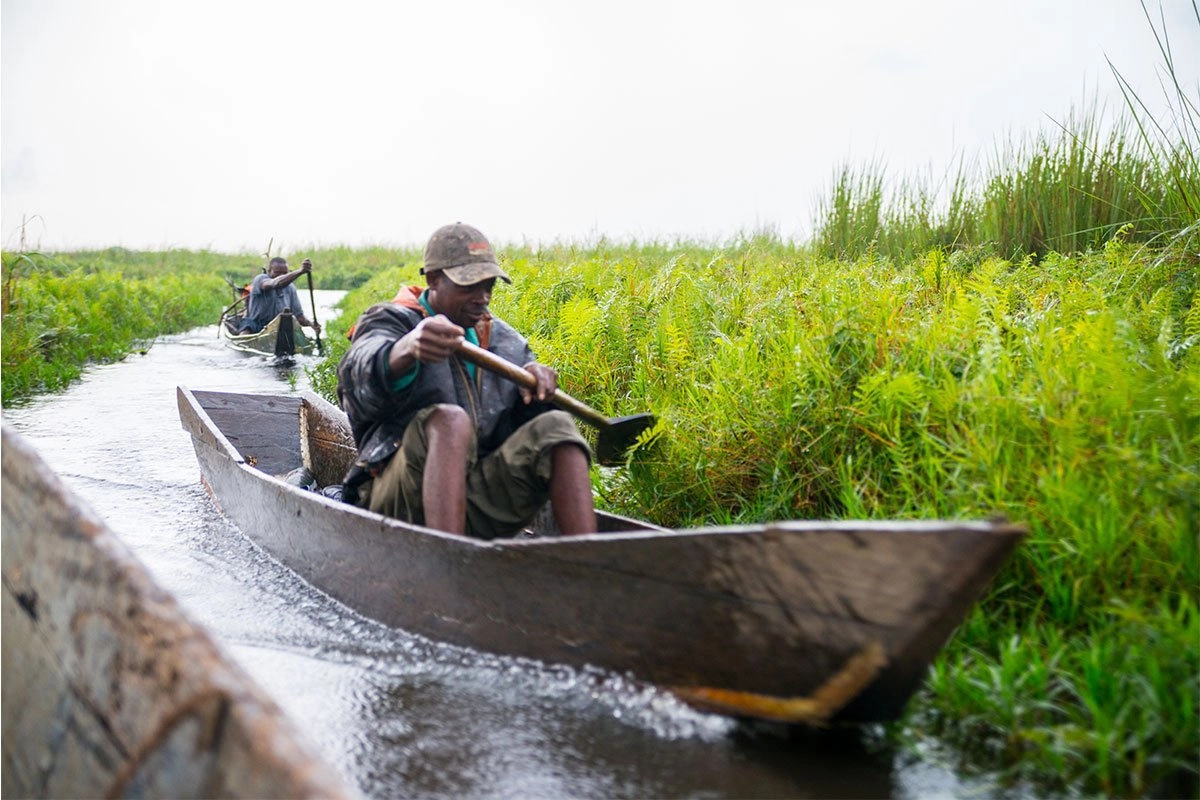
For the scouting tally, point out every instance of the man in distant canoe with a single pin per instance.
(442, 443)
(272, 292)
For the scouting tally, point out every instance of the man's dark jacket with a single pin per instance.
(379, 415)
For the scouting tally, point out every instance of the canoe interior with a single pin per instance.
(109, 690)
(276, 434)
(807, 621)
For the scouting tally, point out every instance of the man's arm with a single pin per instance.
(308, 323)
(305, 321)
(363, 380)
(288, 278)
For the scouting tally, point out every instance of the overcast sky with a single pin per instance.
(153, 124)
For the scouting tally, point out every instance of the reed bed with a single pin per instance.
(1065, 189)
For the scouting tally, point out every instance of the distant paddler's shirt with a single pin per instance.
(267, 304)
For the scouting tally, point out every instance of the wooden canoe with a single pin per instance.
(109, 690)
(802, 622)
(282, 337)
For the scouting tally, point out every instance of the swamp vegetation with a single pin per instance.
(64, 311)
(1063, 392)
(1024, 343)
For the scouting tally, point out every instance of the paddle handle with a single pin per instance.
(494, 363)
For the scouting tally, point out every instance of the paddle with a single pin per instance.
(232, 306)
(615, 434)
(225, 313)
(313, 298)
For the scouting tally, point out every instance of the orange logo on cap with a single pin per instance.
(479, 247)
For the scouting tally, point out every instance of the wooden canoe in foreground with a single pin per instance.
(108, 689)
(281, 337)
(804, 622)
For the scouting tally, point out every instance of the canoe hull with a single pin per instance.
(777, 611)
(109, 690)
(282, 337)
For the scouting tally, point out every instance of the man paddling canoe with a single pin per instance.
(440, 442)
(274, 291)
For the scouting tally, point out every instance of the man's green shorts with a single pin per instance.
(505, 489)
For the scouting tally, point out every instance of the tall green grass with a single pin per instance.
(59, 316)
(1172, 145)
(1085, 670)
(1057, 394)
(1064, 394)
(1064, 190)
(1067, 189)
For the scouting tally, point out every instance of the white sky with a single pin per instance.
(211, 124)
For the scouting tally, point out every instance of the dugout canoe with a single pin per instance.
(282, 337)
(109, 689)
(801, 622)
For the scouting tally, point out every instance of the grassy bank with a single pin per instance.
(61, 314)
(1064, 394)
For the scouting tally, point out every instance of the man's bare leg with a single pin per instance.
(444, 483)
(571, 491)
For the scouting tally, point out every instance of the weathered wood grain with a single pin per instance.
(108, 689)
(326, 443)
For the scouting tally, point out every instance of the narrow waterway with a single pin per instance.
(398, 715)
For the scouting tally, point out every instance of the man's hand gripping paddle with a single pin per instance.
(615, 435)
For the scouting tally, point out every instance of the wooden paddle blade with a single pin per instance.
(621, 433)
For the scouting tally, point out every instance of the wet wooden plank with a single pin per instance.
(266, 434)
(108, 688)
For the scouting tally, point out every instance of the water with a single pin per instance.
(398, 715)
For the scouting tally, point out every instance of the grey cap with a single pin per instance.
(462, 254)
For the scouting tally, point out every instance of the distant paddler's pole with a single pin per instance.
(313, 299)
(225, 313)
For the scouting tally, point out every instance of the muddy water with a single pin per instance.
(397, 715)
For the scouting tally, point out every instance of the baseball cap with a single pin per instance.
(462, 254)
